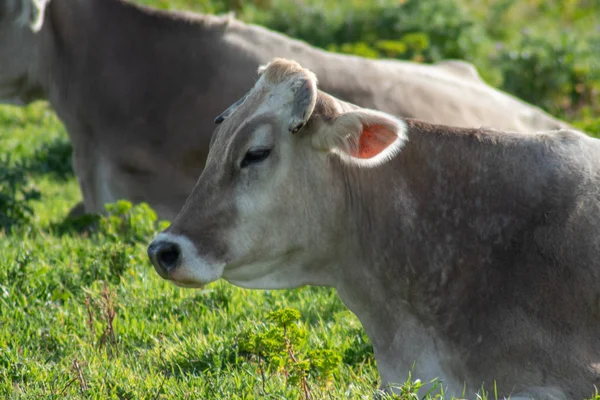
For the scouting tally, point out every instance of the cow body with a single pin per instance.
(136, 89)
(489, 270)
(469, 255)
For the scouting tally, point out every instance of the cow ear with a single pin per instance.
(31, 13)
(363, 137)
(292, 86)
(304, 91)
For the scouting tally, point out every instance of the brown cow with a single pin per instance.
(472, 255)
(137, 88)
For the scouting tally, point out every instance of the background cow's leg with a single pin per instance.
(82, 165)
(93, 175)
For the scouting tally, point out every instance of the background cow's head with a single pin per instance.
(20, 25)
(269, 210)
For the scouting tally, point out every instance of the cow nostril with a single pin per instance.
(167, 255)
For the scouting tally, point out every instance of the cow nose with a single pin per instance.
(165, 256)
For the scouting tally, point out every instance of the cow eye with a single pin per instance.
(255, 155)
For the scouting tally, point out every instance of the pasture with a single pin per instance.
(84, 315)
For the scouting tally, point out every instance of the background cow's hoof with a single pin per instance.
(77, 221)
(77, 211)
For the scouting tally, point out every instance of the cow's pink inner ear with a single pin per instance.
(373, 140)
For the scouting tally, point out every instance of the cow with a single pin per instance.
(136, 89)
(469, 255)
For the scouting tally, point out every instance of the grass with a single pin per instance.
(82, 313)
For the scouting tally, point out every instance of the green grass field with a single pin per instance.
(83, 314)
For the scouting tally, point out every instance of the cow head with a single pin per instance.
(20, 25)
(269, 210)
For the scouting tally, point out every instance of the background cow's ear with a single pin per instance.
(363, 137)
(304, 89)
(29, 12)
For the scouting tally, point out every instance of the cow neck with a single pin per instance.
(387, 205)
(372, 280)
(414, 223)
(390, 286)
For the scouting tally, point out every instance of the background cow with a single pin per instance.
(471, 254)
(136, 88)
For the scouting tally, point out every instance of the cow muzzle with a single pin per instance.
(165, 256)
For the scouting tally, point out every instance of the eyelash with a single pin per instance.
(255, 156)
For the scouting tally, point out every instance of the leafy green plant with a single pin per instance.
(130, 224)
(16, 194)
(589, 125)
(556, 69)
(276, 347)
(410, 388)
(410, 29)
(52, 159)
(558, 75)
